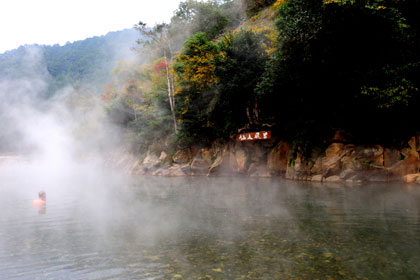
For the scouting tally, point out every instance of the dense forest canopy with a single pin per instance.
(302, 68)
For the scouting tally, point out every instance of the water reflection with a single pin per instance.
(212, 228)
(42, 209)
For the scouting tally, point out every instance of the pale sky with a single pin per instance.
(48, 22)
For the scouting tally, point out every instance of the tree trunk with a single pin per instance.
(170, 93)
(172, 75)
(252, 112)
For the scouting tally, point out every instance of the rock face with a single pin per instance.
(411, 178)
(278, 158)
(150, 163)
(201, 163)
(350, 163)
(338, 162)
(182, 156)
(124, 161)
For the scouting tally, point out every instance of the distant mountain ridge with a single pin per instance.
(86, 62)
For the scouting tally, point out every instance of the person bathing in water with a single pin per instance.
(41, 199)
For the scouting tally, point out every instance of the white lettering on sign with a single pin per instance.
(260, 135)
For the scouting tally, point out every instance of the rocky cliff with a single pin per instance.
(339, 162)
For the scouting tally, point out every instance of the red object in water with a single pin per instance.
(252, 136)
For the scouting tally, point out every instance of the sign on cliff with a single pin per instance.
(252, 136)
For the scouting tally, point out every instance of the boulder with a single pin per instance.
(163, 156)
(256, 170)
(362, 158)
(418, 142)
(317, 178)
(391, 157)
(350, 162)
(127, 163)
(206, 155)
(332, 162)
(278, 158)
(199, 167)
(173, 171)
(224, 163)
(409, 165)
(150, 163)
(408, 152)
(216, 165)
(411, 178)
(317, 168)
(371, 156)
(298, 170)
(256, 153)
(354, 180)
(229, 160)
(333, 179)
(176, 171)
(347, 173)
(182, 156)
(412, 143)
(379, 174)
(241, 158)
(333, 151)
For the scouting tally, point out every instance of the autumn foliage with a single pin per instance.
(304, 68)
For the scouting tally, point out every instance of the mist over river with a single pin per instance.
(106, 226)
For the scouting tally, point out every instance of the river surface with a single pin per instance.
(207, 228)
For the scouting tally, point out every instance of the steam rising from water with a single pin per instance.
(50, 143)
(99, 225)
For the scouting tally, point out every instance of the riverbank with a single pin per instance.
(338, 162)
(13, 159)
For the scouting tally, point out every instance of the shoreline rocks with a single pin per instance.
(339, 162)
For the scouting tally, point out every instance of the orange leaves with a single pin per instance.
(279, 2)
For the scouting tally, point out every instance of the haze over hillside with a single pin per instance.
(87, 62)
(45, 88)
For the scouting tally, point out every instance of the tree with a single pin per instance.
(237, 74)
(158, 35)
(218, 82)
(253, 6)
(195, 67)
(335, 59)
(195, 16)
(196, 64)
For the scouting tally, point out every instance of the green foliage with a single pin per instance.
(395, 88)
(210, 17)
(138, 100)
(196, 64)
(87, 62)
(218, 95)
(341, 65)
(195, 71)
(238, 74)
(350, 65)
(254, 6)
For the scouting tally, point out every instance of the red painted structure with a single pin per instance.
(252, 136)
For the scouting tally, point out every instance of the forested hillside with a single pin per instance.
(88, 62)
(301, 68)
